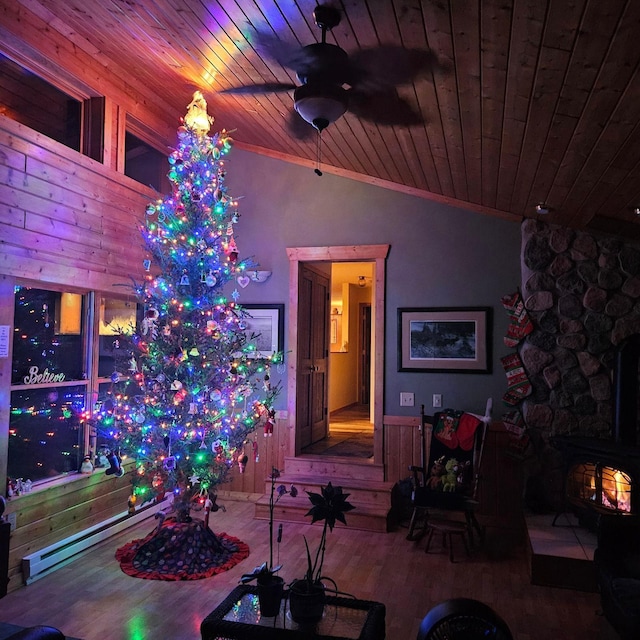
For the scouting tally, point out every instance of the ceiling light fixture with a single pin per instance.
(320, 105)
(542, 208)
(636, 210)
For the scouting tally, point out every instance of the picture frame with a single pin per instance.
(266, 323)
(445, 339)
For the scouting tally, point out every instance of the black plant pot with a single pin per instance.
(270, 596)
(306, 602)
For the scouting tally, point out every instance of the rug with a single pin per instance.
(356, 446)
(181, 551)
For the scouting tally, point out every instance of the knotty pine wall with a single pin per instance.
(65, 507)
(66, 220)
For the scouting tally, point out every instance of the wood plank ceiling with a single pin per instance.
(531, 100)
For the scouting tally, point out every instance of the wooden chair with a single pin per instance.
(447, 480)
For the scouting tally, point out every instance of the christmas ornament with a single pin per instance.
(115, 467)
(86, 466)
(197, 117)
(197, 391)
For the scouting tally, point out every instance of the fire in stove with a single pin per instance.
(600, 486)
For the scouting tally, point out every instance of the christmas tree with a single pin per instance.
(187, 389)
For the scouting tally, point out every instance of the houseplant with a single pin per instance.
(270, 586)
(306, 596)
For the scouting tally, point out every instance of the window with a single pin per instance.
(46, 436)
(49, 386)
(54, 376)
(116, 316)
(145, 164)
(48, 335)
(23, 96)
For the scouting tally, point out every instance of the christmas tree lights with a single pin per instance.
(187, 389)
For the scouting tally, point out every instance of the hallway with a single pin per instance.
(350, 434)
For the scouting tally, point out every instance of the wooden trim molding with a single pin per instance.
(354, 253)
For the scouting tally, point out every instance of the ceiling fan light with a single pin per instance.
(320, 106)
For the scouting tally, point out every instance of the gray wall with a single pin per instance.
(440, 256)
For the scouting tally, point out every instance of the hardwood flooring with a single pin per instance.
(92, 599)
(350, 422)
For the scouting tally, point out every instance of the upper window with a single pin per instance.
(145, 164)
(30, 100)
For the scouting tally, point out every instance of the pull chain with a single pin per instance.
(318, 154)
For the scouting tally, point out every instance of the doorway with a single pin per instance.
(305, 378)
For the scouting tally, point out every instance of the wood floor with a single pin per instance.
(344, 424)
(91, 598)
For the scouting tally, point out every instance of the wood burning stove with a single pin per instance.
(604, 487)
(602, 476)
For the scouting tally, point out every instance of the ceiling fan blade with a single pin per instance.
(299, 128)
(289, 55)
(266, 87)
(383, 107)
(389, 66)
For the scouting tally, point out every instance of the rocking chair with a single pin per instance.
(447, 481)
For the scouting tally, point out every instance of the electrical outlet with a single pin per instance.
(406, 399)
(437, 400)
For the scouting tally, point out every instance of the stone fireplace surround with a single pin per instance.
(582, 292)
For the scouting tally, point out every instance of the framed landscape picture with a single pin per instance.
(445, 340)
(265, 328)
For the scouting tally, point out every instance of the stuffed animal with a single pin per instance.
(434, 481)
(450, 478)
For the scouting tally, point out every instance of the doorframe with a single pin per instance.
(376, 253)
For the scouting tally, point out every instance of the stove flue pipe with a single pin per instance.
(625, 391)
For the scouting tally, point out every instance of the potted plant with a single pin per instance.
(270, 586)
(306, 596)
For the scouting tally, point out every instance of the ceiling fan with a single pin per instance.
(332, 81)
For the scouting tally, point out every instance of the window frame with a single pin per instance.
(90, 359)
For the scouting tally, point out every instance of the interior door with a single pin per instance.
(313, 356)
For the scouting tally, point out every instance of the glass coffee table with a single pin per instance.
(238, 618)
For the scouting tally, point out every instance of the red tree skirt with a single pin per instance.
(181, 551)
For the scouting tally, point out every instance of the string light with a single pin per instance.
(196, 390)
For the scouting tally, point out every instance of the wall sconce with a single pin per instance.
(259, 276)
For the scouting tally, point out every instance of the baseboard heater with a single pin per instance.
(41, 563)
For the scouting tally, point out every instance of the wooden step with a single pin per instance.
(368, 492)
(334, 467)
